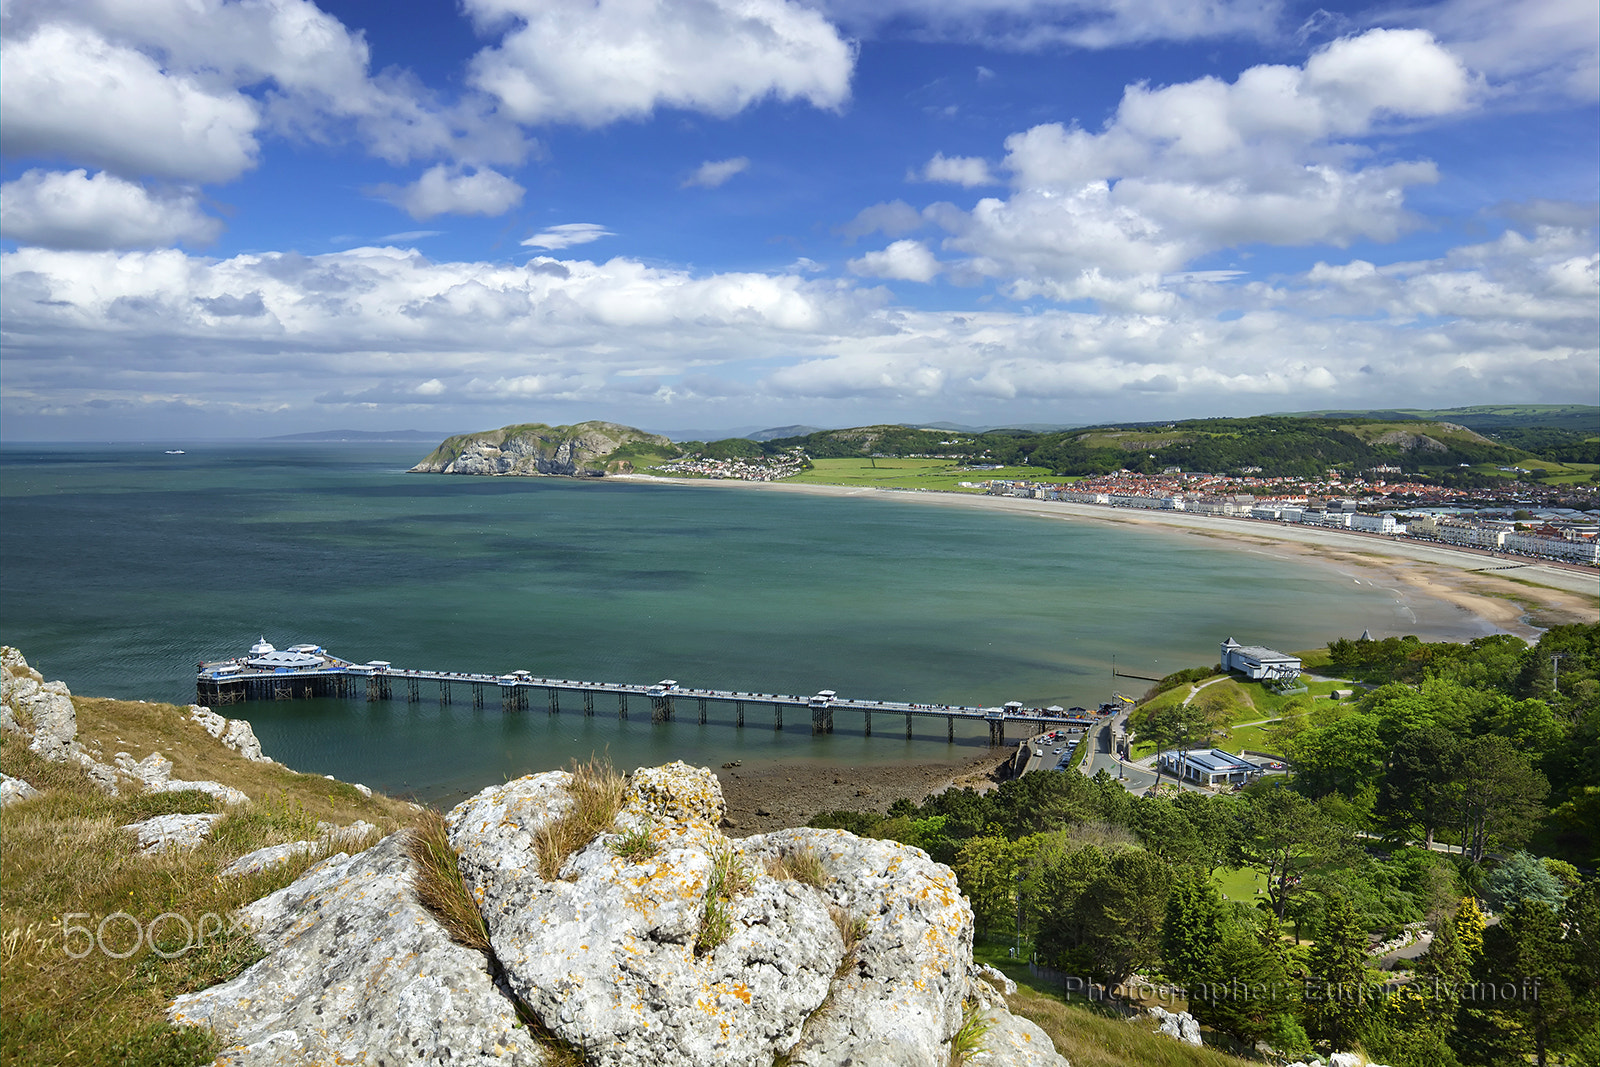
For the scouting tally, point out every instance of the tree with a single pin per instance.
(1287, 836)
(987, 869)
(1192, 927)
(1336, 989)
(1502, 796)
(1122, 914)
(1522, 877)
(1526, 953)
(1420, 789)
(1341, 757)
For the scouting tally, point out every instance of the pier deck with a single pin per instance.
(319, 674)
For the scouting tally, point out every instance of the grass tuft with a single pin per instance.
(801, 865)
(596, 790)
(439, 886)
(637, 844)
(968, 1040)
(729, 877)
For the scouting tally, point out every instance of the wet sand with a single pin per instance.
(770, 796)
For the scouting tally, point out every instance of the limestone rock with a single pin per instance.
(234, 733)
(1014, 1041)
(996, 978)
(154, 772)
(264, 859)
(13, 790)
(173, 831)
(1180, 1026)
(358, 972)
(901, 1000)
(48, 705)
(606, 956)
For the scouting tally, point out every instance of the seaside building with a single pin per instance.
(1208, 766)
(1257, 662)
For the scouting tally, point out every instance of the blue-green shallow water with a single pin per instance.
(123, 567)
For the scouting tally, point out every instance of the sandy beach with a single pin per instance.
(1454, 594)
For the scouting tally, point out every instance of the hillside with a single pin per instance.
(587, 449)
(339, 943)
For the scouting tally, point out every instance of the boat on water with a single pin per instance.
(175, 452)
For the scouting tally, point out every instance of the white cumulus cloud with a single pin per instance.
(903, 260)
(1187, 169)
(447, 190)
(567, 234)
(961, 170)
(74, 209)
(714, 172)
(67, 92)
(595, 61)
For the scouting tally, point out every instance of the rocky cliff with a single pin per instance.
(586, 449)
(654, 942)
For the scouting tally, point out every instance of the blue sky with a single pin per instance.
(225, 218)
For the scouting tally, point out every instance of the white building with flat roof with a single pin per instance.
(1257, 662)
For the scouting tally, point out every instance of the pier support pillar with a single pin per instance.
(822, 720)
(908, 726)
(477, 695)
(622, 705)
(869, 724)
(997, 731)
(702, 701)
(555, 701)
(412, 696)
(660, 709)
(777, 716)
(444, 693)
(738, 711)
(950, 728)
(588, 701)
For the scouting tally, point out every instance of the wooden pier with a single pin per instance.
(306, 671)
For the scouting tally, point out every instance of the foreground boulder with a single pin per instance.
(656, 942)
(358, 972)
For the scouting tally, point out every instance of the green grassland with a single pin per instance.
(933, 474)
(66, 856)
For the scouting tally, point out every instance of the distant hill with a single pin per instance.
(781, 431)
(1583, 418)
(359, 435)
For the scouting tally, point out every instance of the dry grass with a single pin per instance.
(1088, 1039)
(439, 886)
(67, 862)
(596, 790)
(802, 865)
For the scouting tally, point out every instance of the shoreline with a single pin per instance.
(1501, 593)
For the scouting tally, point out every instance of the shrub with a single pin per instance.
(596, 790)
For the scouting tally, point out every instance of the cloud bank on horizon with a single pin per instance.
(712, 213)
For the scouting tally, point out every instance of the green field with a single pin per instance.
(897, 473)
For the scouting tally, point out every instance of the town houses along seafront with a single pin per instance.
(1421, 512)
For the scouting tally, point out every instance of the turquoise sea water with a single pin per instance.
(123, 567)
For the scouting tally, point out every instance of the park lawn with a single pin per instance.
(1240, 884)
(1252, 737)
(934, 474)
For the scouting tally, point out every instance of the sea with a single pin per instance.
(124, 566)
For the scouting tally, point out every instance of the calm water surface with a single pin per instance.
(123, 567)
